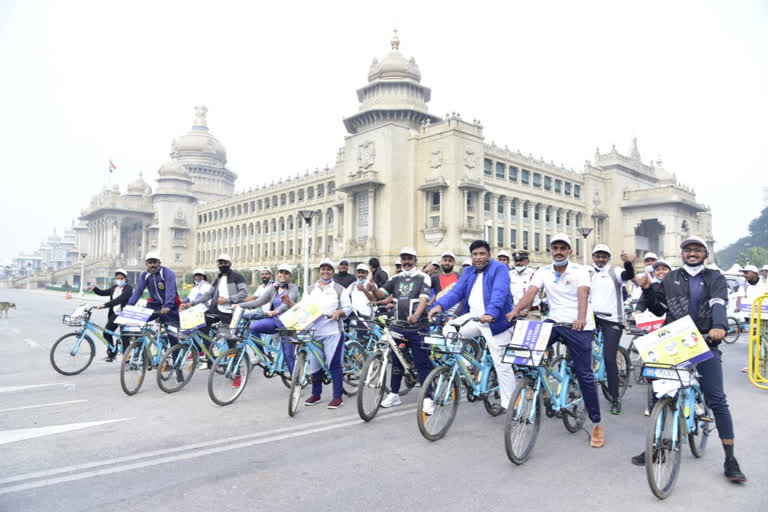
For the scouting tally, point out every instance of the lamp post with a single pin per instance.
(747, 245)
(306, 215)
(585, 231)
(82, 271)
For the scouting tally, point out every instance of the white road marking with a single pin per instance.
(21, 434)
(192, 451)
(32, 343)
(14, 389)
(42, 405)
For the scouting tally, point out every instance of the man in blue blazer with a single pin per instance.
(484, 288)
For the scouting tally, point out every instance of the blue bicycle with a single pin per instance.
(182, 359)
(549, 388)
(598, 364)
(144, 353)
(74, 352)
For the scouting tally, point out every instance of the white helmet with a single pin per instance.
(152, 255)
(121, 271)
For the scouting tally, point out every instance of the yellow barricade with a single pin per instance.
(758, 344)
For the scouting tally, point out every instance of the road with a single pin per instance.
(79, 443)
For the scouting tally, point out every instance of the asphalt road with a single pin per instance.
(79, 443)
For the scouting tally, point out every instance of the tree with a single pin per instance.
(738, 251)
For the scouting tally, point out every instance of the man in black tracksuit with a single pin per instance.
(701, 293)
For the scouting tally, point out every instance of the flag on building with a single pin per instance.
(112, 166)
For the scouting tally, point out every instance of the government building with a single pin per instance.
(403, 177)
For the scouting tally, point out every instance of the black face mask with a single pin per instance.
(753, 282)
(282, 285)
(225, 270)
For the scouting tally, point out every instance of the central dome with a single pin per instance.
(394, 66)
(198, 141)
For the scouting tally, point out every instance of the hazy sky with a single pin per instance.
(85, 81)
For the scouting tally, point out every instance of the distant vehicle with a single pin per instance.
(734, 283)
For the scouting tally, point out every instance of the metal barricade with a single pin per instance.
(758, 343)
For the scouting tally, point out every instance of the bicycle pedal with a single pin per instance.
(706, 419)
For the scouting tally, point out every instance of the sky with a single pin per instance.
(83, 82)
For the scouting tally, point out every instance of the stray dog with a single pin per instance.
(5, 306)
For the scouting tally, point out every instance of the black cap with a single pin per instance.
(520, 255)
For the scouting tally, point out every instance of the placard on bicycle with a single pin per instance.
(528, 344)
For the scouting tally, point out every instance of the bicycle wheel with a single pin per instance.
(371, 389)
(662, 448)
(177, 366)
(133, 367)
(229, 375)
(733, 332)
(297, 383)
(625, 369)
(71, 355)
(492, 399)
(354, 358)
(697, 439)
(445, 397)
(522, 422)
(575, 414)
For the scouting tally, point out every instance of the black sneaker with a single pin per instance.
(616, 407)
(179, 376)
(733, 472)
(639, 460)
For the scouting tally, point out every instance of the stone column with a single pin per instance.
(371, 217)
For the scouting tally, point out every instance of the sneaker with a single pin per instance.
(335, 403)
(312, 400)
(598, 436)
(391, 400)
(109, 358)
(179, 376)
(237, 381)
(616, 407)
(639, 460)
(733, 472)
(428, 406)
(647, 412)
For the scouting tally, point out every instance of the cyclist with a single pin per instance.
(567, 286)
(519, 280)
(409, 290)
(160, 282)
(266, 283)
(484, 288)
(200, 287)
(605, 293)
(764, 272)
(752, 288)
(343, 277)
(119, 294)
(445, 280)
(272, 298)
(503, 256)
(660, 269)
(648, 260)
(356, 291)
(378, 275)
(701, 293)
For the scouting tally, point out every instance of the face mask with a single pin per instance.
(693, 269)
(753, 282)
(120, 282)
(282, 285)
(326, 281)
(411, 272)
(599, 266)
(361, 281)
(225, 270)
(561, 263)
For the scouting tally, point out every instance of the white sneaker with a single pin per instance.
(391, 400)
(428, 406)
(647, 412)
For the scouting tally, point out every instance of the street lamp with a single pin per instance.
(307, 216)
(82, 271)
(747, 245)
(585, 231)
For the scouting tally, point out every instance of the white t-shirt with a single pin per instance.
(749, 292)
(476, 302)
(359, 300)
(562, 291)
(260, 291)
(328, 301)
(603, 292)
(224, 292)
(518, 285)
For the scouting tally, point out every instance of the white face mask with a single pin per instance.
(120, 282)
(520, 268)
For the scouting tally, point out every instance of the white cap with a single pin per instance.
(408, 250)
(285, 267)
(467, 262)
(343, 260)
(266, 269)
(122, 271)
(750, 268)
(650, 255)
(398, 262)
(504, 253)
(363, 266)
(764, 267)
(198, 271)
(436, 263)
(224, 257)
(561, 237)
(328, 263)
(601, 248)
(694, 240)
(448, 253)
(659, 263)
(152, 255)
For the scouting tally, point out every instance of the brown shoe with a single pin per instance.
(598, 437)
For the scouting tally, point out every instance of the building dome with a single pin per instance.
(198, 141)
(394, 66)
(138, 187)
(172, 169)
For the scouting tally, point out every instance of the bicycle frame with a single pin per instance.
(598, 356)
(563, 376)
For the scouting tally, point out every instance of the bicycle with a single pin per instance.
(683, 417)
(74, 352)
(232, 369)
(183, 358)
(444, 382)
(144, 353)
(528, 401)
(307, 345)
(598, 363)
(733, 331)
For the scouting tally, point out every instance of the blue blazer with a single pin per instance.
(496, 295)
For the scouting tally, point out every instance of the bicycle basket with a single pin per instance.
(668, 372)
(73, 321)
(132, 330)
(294, 336)
(451, 344)
(521, 355)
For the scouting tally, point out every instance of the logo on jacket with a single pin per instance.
(161, 286)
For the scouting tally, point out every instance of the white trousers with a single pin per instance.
(496, 345)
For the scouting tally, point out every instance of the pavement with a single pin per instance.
(80, 444)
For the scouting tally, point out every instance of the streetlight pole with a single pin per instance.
(82, 272)
(585, 231)
(306, 215)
